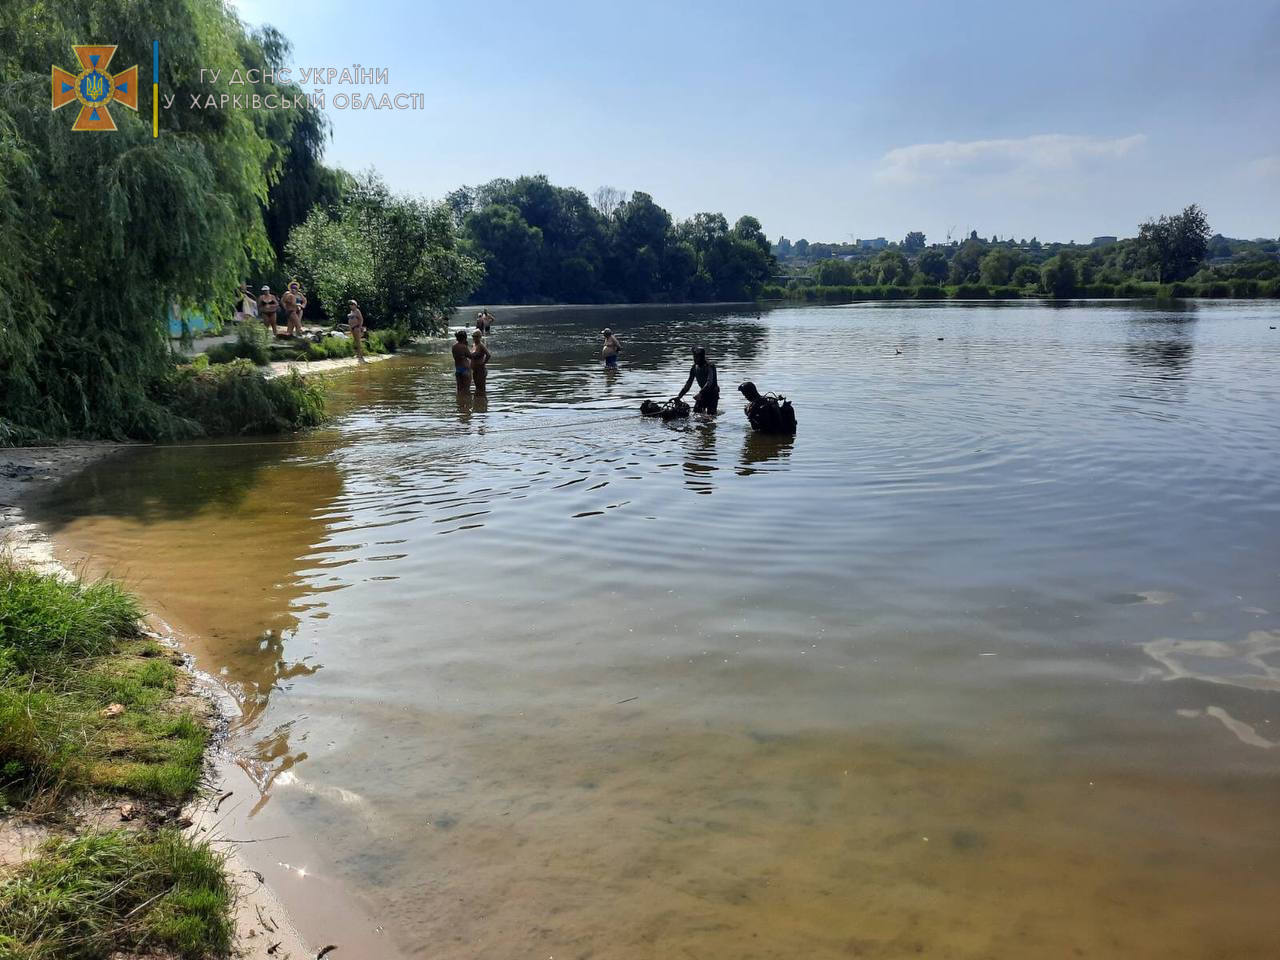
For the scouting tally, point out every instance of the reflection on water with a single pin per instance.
(979, 664)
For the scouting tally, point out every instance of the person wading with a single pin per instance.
(479, 361)
(708, 396)
(462, 361)
(612, 347)
(268, 307)
(355, 320)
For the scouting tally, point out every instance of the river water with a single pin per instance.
(985, 663)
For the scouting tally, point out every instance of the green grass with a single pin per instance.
(90, 897)
(68, 649)
(45, 620)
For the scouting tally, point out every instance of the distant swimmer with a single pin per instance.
(612, 347)
(708, 396)
(462, 361)
(479, 361)
(484, 320)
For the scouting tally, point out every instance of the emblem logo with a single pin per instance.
(94, 88)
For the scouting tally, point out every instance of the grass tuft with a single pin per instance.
(93, 896)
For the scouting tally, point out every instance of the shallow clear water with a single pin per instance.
(985, 663)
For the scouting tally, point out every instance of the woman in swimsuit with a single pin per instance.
(462, 361)
(355, 320)
(479, 361)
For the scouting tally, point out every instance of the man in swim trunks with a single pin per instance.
(611, 349)
(708, 396)
(462, 361)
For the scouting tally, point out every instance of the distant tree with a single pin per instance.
(967, 261)
(933, 265)
(973, 234)
(784, 248)
(996, 268)
(607, 200)
(1026, 276)
(891, 268)
(835, 272)
(1219, 246)
(1034, 245)
(1058, 275)
(1174, 246)
(510, 249)
(398, 255)
(913, 242)
(801, 247)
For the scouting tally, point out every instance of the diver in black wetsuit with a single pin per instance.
(708, 395)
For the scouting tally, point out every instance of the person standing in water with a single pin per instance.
(484, 320)
(479, 361)
(268, 306)
(355, 320)
(462, 361)
(708, 396)
(611, 349)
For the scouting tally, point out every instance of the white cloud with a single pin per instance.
(1022, 159)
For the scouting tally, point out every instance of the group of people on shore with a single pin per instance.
(266, 307)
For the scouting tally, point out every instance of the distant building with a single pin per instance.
(879, 243)
(1103, 241)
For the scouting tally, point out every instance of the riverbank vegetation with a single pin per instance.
(1171, 257)
(92, 707)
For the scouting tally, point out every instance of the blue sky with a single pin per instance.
(830, 121)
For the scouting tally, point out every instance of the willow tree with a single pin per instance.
(100, 233)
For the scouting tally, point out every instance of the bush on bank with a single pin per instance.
(235, 398)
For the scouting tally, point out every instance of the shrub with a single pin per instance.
(1244, 289)
(970, 291)
(235, 398)
(929, 292)
(1101, 291)
(1218, 288)
(1178, 291)
(1136, 288)
(252, 342)
(1006, 292)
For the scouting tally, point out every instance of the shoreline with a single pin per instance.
(264, 930)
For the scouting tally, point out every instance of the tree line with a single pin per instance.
(1169, 250)
(542, 243)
